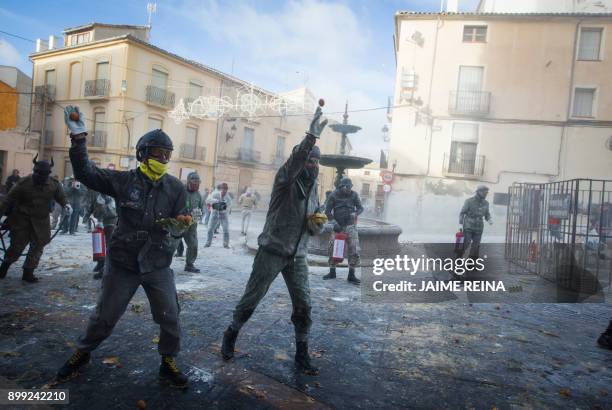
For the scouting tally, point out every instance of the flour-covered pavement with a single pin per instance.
(371, 355)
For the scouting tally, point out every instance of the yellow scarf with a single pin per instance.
(153, 169)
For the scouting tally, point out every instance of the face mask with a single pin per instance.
(193, 186)
(153, 169)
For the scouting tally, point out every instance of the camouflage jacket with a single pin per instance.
(474, 209)
(285, 232)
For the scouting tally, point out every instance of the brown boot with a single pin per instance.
(28, 275)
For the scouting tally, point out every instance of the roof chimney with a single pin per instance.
(452, 6)
(52, 42)
(41, 45)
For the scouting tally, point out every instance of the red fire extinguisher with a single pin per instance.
(339, 249)
(459, 242)
(98, 243)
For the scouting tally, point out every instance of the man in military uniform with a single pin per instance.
(474, 210)
(221, 203)
(28, 205)
(247, 201)
(344, 206)
(194, 207)
(283, 245)
(102, 207)
(140, 250)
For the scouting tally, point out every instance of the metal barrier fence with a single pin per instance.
(562, 231)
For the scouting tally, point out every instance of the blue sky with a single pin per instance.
(340, 49)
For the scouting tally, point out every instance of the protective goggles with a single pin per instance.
(159, 154)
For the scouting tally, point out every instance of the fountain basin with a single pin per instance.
(376, 239)
(343, 161)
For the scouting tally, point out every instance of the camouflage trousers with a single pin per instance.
(266, 267)
(191, 240)
(118, 288)
(19, 240)
(352, 247)
(472, 240)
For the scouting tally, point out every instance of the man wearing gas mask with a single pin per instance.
(470, 218)
(283, 245)
(141, 248)
(28, 204)
(344, 206)
(194, 206)
(221, 203)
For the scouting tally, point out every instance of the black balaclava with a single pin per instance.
(41, 171)
(309, 175)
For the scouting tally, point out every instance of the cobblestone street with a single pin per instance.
(371, 355)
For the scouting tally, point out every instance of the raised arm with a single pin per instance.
(86, 171)
(297, 160)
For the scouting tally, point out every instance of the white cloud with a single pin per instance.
(9, 54)
(326, 45)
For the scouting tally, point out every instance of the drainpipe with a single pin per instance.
(569, 99)
(430, 119)
(217, 132)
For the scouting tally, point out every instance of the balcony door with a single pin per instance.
(469, 88)
(246, 150)
(464, 147)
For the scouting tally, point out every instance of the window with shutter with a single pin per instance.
(590, 44)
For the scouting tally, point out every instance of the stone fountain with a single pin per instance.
(376, 238)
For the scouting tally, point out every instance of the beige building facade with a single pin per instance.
(495, 99)
(126, 87)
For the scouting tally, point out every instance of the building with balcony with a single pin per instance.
(126, 86)
(495, 98)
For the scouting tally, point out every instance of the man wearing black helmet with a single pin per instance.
(140, 250)
(343, 207)
(283, 245)
(28, 204)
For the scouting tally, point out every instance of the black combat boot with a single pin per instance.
(352, 278)
(99, 266)
(169, 373)
(229, 341)
(4, 269)
(71, 367)
(28, 275)
(191, 268)
(605, 340)
(331, 274)
(302, 359)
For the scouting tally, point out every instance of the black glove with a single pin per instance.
(337, 227)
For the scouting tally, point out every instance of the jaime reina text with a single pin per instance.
(440, 286)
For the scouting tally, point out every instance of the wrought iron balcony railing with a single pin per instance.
(463, 102)
(44, 91)
(248, 155)
(194, 152)
(97, 139)
(160, 96)
(466, 165)
(97, 88)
